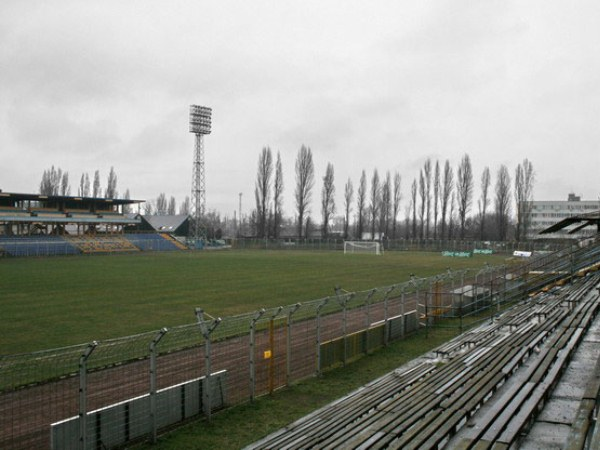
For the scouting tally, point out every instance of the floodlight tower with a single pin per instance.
(200, 122)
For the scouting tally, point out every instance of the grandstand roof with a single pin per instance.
(584, 220)
(6, 197)
(168, 223)
(21, 213)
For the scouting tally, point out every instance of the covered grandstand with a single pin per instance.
(58, 215)
(43, 225)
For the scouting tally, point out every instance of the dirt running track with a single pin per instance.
(26, 413)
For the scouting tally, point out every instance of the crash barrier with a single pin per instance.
(126, 421)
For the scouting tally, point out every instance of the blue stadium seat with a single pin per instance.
(151, 242)
(36, 246)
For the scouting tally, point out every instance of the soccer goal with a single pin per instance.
(368, 247)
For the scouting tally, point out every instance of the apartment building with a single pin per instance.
(544, 214)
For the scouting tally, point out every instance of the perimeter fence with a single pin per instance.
(427, 245)
(33, 246)
(106, 394)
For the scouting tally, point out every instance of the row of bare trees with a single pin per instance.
(453, 197)
(440, 204)
(166, 207)
(55, 182)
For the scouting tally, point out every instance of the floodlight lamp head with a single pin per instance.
(200, 119)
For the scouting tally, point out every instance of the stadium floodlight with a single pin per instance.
(200, 119)
(200, 124)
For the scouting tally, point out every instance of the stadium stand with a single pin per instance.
(151, 242)
(170, 238)
(36, 246)
(510, 366)
(102, 244)
(26, 214)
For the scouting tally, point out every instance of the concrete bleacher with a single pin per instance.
(494, 379)
(51, 245)
(102, 244)
(41, 245)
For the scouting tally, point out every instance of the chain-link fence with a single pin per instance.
(427, 245)
(152, 242)
(102, 395)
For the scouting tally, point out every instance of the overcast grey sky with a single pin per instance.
(87, 85)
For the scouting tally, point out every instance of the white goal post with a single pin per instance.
(366, 247)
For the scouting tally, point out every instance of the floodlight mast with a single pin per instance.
(200, 124)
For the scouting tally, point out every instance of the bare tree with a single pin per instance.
(422, 193)
(148, 209)
(51, 181)
(451, 215)
(446, 195)
(184, 208)
(263, 189)
(111, 185)
(385, 208)
(86, 186)
(277, 197)
(374, 202)
(483, 203)
(361, 202)
(397, 196)
(413, 207)
(172, 208)
(327, 199)
(97, 191)
(81, 188)
(161, 205)
(502, 205)
(407, 211)
(427, 176)
(305, 180)
(65, 187)
(348, 194)
(126, 207)
(308, 227)
(524, 179)
(436, 197)
(464, 191)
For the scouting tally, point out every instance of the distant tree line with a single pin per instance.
(439, 205)
(55, 182)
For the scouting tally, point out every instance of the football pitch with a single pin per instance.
(60, 301)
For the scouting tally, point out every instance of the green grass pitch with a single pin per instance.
(60, 301)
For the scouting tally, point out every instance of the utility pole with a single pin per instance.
(240, 215)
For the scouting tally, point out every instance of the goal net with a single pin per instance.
(368, 247)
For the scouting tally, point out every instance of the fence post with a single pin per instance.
(272, 349)
(386, 324)
(206, 331)
(450, 275)
(255, 319)
(343, 301)
(368, 304)
(414, 281)
(319, 307)
(83, 394)
(153, 345)
(402, 311)
(491, 272)
(289, 343)
(462, 299)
